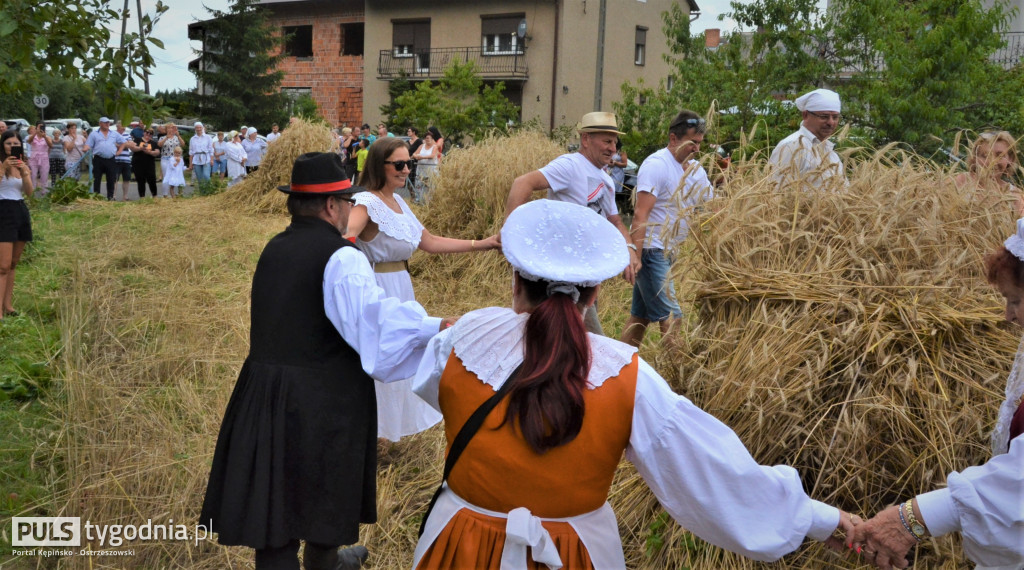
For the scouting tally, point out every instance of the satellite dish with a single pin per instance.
(521, 30)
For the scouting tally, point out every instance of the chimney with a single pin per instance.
(712, 37)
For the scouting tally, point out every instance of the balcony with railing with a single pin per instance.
(1012, 54)
(431, 63)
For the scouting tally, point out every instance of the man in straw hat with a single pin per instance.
(580, 178)
(808, 153)
(669, 180)
(296, 454)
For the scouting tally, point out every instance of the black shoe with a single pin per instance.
(352, 557)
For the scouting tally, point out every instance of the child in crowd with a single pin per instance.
(361, 157)
(175, 175)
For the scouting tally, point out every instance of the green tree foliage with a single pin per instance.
(306, 107)
(71, 40)
(915, 72)
(239, 68)
(179, 103)
(397, 88)
(68, 98)
(923, 68)
(460, 105)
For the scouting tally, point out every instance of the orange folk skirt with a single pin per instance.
(473, 540)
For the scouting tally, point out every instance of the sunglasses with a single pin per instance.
(826, 116)
(401, 165)
(699, 124)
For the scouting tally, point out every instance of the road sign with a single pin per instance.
(41, 101)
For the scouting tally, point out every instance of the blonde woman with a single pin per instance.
(167, 144)
(991, 162)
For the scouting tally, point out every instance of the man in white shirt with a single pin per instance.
(669, 182)
(580, 178)
(807, 155)
(274, 133)
(200, 152)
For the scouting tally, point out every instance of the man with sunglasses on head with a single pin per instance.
(580, 178)
(807, 155)
(296, 457)
(669, 182)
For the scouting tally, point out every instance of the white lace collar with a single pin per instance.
(402, 226)
(1014, 391)
(489, 342)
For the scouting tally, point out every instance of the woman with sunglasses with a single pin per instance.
(387, 231)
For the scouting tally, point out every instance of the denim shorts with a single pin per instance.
(654, 295)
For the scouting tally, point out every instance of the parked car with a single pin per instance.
(83, 125)
(18, 125)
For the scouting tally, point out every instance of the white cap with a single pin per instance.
(198, 124)
(819, 100)
(251, 131)
(1015, 243)
(104, 120)
(563, 242)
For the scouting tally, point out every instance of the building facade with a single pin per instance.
(558, 59)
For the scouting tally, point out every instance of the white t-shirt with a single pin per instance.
(573, 178)
(660, 174)
(272, 136)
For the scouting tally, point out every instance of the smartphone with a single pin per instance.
(16, 151)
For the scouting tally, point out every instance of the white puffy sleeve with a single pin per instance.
(986, 504)
(706, 479)
(428, 377)
(389, 335)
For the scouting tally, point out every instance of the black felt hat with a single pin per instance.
(319, 174)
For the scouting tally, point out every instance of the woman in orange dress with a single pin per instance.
(531, 487)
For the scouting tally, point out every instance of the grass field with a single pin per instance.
(135, 322)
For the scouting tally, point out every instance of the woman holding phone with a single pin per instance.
(15, 225)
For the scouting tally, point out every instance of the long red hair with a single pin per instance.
(546, 399)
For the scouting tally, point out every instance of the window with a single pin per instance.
(671, 82)
(352, 39)
(500, 34)
(298, 41)
(409, 38)
(640, 54)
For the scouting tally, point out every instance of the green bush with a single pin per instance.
(214, 185)
(67, 190)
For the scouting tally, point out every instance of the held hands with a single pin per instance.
(447, 322)
(847, 523)
(883, 540)
(493, 242)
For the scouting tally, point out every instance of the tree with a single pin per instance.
(459, 105)
(71, 40)
(915, 72)
(239, 67)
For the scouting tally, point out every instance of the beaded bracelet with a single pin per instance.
(916, 528)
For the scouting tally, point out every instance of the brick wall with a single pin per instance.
(336, 80)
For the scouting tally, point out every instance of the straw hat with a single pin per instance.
(599, 122)
(563, 242)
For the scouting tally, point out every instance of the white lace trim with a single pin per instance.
(489, 342)
(1014, 391)
(403, 226)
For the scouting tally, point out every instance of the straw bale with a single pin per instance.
(848, 332)
(258, 193)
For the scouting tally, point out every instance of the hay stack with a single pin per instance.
(850, 334)
(258, 192)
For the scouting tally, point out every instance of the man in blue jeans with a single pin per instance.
(669, 183)
(105, 144)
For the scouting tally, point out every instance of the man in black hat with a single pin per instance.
(296, 455)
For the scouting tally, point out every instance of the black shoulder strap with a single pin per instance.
(465, 434)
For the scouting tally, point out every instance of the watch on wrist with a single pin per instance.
(916, 528)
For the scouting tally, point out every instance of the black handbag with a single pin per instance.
(465, 434)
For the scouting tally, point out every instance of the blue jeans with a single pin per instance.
(654, 295)
(220, 166)
(201, 172)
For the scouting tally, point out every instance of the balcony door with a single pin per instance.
(411, 38)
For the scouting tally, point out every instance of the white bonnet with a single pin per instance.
(819, 100)
(559, 241)
(1015, 243)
